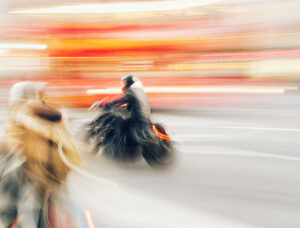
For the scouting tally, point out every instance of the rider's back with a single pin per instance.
(139, 102)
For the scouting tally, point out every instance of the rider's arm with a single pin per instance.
(123, 100)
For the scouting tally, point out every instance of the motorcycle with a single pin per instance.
(124, 138)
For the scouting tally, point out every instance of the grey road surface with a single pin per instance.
(235, 167)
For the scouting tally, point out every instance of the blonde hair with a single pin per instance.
(21, 92)
(37, 138)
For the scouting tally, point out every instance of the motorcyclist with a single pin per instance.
(125, 139)
(134, 96)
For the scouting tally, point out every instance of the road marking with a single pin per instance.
(236, 127)
(258, 128)
(246, 154)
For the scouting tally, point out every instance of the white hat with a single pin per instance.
(23, 91)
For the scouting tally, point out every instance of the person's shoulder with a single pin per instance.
(130, 92)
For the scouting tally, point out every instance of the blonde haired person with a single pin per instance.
(33, 175)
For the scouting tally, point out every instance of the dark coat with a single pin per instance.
(17, 195)
(136, 100)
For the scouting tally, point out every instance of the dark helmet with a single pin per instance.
(129, 79)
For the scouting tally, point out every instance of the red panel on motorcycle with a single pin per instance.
(160, 131)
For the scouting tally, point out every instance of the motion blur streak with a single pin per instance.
(190, 89)
(119, 7)
(89, 219)
(81, 172)
(249, 154)
(23, 46)
(221, 76)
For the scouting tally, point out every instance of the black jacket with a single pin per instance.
(136, 100)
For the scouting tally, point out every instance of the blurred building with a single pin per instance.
(182, 50)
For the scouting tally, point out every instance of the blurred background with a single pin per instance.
(182, 50)
(223, 76)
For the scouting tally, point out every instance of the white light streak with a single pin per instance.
(199, 89)
(128, 7)
(30, 46)
(89, 219)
